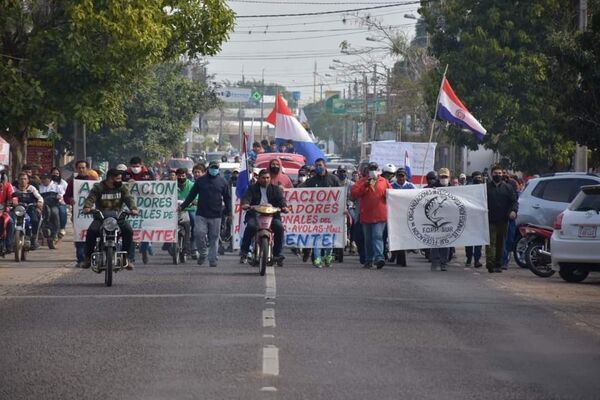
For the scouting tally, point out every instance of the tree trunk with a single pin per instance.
(18, 151)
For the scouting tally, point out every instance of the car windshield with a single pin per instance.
(175, 164)
(586, 200)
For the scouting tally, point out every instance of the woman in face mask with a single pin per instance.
(278, 177)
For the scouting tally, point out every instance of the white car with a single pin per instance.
(575, 243)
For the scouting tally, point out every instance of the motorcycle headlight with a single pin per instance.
(110, 224)
(19, 211)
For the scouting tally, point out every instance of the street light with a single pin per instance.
(410, 16)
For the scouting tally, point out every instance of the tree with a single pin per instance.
(501, 65)
(79, 60)
(158, 116)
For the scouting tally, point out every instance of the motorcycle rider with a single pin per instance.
(109, 195)
(184, 186)
(28, 194)
(263, 192)
(47, 185)
(7, 224)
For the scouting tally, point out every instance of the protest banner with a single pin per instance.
(316, 218)
(156, 200)
(397, 153)
(440, 217)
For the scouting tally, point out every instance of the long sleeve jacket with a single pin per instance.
(373, 207)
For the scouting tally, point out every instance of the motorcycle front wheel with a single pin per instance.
(264, 255)
(519, 251)
(19, 245)
(108, 273)
(535, 261)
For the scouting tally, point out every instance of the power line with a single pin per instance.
(312, 3)
(253, 31)
(297, 38)
(327, 12)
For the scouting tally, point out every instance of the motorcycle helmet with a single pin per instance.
(388, 169)
(431, 176)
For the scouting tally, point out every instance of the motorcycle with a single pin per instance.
(177, 249)
(23, 231)
(262, 250)
(49, 224)
(537, 253)
(107, 255)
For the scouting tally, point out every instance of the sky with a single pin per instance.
(287, 48)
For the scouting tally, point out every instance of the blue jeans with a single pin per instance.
(508, 244)
(62, 215)
(80, 251)
(373, 236)
(207, 231)
(318, 252)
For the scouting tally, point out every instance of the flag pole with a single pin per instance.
(437, 104)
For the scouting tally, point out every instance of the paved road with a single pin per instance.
(189, 332)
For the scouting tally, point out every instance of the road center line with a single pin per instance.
(118, 296)
(268, 317)
(270, 361)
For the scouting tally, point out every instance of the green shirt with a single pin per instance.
(183, 193)
(105, 198)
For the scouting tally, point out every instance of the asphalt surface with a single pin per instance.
(194, 332)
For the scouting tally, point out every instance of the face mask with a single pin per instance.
(302, 178)
(319, 170)
(342, 177)
(56, 179)
(444, 181)
(136, 170)
(274, 170)
(496, 178)
(213, 171)
(118, 184)
(373, 174)
(477, 180)
(181, 181)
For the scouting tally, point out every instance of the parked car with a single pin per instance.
(543, 199)
(575, 242)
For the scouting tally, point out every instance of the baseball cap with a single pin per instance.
(462, 176)
(213, 163)
(444, 172)
(373, 166)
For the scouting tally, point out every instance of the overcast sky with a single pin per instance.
(288, 47)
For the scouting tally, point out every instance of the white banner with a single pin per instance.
(4, 152)
(316, 218)
(233, 95)
(156, 200)
(389, 152)
(440, 217)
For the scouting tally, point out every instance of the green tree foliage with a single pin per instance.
(499, 54)
(158, 116)
(80, 59)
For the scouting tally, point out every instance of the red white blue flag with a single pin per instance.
(451, 109)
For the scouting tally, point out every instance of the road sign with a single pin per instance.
(257, 95)
(296, 95)
(233, 95)
(356, 107)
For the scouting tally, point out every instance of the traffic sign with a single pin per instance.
(233, 95)
(257, 95)
(357, 106)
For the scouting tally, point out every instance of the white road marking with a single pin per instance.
(120, 296)
(269, 336)
(270, 361)
(268, 317)
(271, 291)
(272, 303)
(268, 389)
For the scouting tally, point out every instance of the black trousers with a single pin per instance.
(94, 231)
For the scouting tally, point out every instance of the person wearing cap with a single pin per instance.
(322, 178)
(109, 195)
(371, 191)
(462, 179)
(474, 252)
(302, 175)
(401, 182)
(213, 194)
(441, 255)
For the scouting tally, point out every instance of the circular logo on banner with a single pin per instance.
(436, 217)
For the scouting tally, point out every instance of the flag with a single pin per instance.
(287, 127)
(451, 109)
(243, 180)
(407, 166)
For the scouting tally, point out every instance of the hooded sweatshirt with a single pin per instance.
(280, 179)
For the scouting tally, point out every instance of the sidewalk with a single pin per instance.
(42, 265)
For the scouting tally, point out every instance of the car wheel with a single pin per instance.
(573, 274)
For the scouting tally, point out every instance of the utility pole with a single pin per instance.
(262, 103)
(315, 84)
(374, 121)
(581, 164)
(366, 137)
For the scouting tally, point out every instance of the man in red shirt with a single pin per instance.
(6, 222)
(370, 191)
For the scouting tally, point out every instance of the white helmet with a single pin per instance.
(122, 167)
(388, 168)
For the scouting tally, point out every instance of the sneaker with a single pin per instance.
(145, 257)
(194, 254)
(504, 266)
(87, 263)
(468, 263)
(443, 268)
(201, 260)
(478, 264)
(150, 251)
(243, 259)
(497, 269)
(212, 265)
(434, 267)
(130, 266)
(80, 264)
(380, 263)
(317, 262)
(62, 233)
(279, 260)
(367, 265)
(328, 260)
(305, 255)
